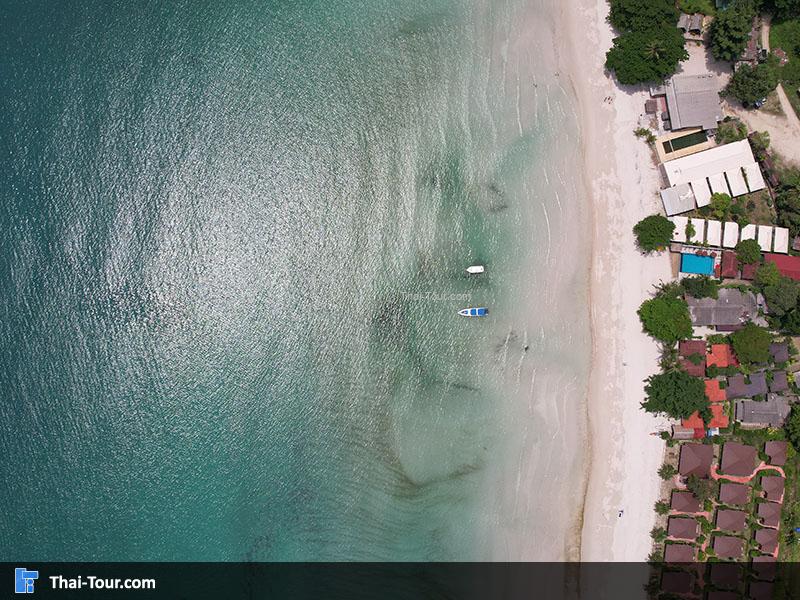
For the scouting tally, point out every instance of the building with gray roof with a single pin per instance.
(770, 413)
(738, 387)
(693, 101)
(678, 199)
(731, 308)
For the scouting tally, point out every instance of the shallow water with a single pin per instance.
(233, 256)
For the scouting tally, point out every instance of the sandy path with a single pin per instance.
(622, 181)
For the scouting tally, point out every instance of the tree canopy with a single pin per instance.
(748, 252)
(781, 297)
(646, 55)
(731, 30)
(767, 274)
(784, 9)
(639, 15)
(792, 427)
(653, 232)
(675, 393)
(720, 204)
(750, 84)
(751, 344)
(701, 286)
(666, 319)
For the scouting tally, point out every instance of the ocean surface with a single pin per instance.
(233, 246)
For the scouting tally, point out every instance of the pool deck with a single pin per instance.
(663, 156)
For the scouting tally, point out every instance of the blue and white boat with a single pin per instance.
(474, 312)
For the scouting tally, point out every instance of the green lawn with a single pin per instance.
(786, 36)
(697, 6)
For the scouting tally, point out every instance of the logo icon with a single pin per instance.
(23, 580)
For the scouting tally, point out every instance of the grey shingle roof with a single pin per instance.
(732, 307)
(779, 352)
(693, 101)
(779, 382)
(771, 413)
(739, 388)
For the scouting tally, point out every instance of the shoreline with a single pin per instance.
(621, 183)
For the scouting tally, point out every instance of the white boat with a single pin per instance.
(475, 269)
(474, 311)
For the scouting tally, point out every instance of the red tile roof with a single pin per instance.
(787, 265)
(749, 271)
(730, 265)
(721, 355)
(694, 421)
(714, 393)
(719, 418)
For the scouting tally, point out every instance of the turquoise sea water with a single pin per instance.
(233, 246)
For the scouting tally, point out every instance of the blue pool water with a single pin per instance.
(692, 263)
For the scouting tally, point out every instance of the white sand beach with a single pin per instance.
(622, 181)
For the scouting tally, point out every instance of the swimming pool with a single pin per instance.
(679, 143)
(692, 263)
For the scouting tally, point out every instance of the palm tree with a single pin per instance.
(654, 49)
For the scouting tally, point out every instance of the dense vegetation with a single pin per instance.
(748, 252)
(650, 46)
(731, 29)
(750, 84)
(730, 130)
(786, 36)
(697, 6)
(677, 394)
(666, 319)
(701, 286)
(653, 232)
(751, 344)
(784, 9)
(793, 427)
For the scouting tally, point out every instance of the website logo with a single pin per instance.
(23, 580)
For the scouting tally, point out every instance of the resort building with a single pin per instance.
(725, 575)
(728, 547)
(757, 415)
(769, 513)
(676, 582)
(732, 308)
(739, 387)
(789, 266)
(779, 351)
(768, 540)
(734, 494)
(680, 528)
(776, 450)
(738, 459)
(695, 460)
(730, 169)
(685, 502)
(693, 101)
(731, 520)
(773, 487)
(679, 553)
(718, 234)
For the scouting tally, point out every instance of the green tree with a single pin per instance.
(785, 9)
(666, 471)
(661, 507)
(751, 344)
(676, 394)
(659, 534)
(787, 203)
(730, 130)
(767, 274)
(731, 30)
(750, 84)
(792, 427)
(653, 232)
(701, 488)
(701, 286)
(720, 204)
(781, 297)
(645, 56)
(759, 140)
(666, 319)
(748, 252)
(640, 15)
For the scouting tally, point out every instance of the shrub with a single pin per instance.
(730, 30)
(749, 84)
(659, 534)
(701, 286)
(653, 232)
(748, 252)
(666, 319)
(646, 134)
(792, 427)
(662, 507)
(729, 131)
(767, 274)
(676, 394)
(751, 344)
(667, 471)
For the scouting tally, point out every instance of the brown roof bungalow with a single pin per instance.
(773, 487)
(681, 528)
(723, 595)
(730, 520)
(776, 450)
(734, 493)
(697, 349)
(685, 502)
(728, 547)
(676, 582)
(761, 590)
(739, 388)
(769, 513)
(765, 567)
(779, 352)
(696, 460)
(726, 575)
(779, 382)
(679, 553)
(768, 540)
(738, 459)
(729, 265)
